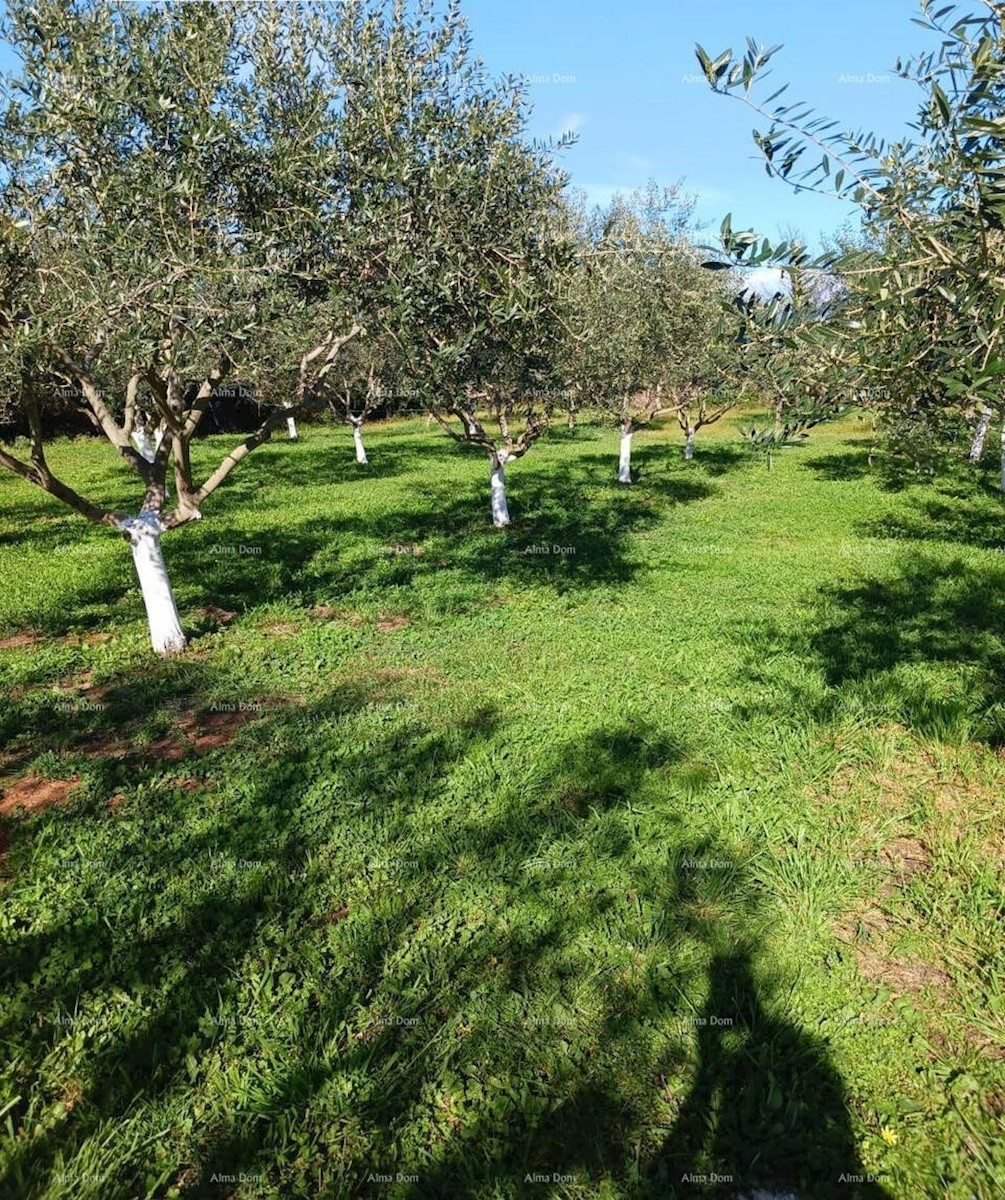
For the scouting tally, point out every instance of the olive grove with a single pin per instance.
(201, 191)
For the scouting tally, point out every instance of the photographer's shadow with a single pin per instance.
(767, 1110)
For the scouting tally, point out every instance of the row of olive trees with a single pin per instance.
(650, 336)
(917, 328)
(212, 191)
(335, 204)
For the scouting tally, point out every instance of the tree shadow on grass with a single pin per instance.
(926, 644)
(953, 511)
(661, 467)
(954, 477)
(710, 459)
(517, 1003)
(153, 916)
(329, 459)
(671, 1097)
(922, 643)
(570, 531)
(461, 976)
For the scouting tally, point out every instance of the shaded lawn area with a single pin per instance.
(651, 847)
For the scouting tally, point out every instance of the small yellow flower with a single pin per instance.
(888, 1136)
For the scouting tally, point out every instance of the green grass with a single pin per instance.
(677, 854)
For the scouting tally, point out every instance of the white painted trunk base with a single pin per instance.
(357, 437)
(291, 427)
(689, 445)
(144, 533)
(980, 433)
(625, 460)
(497, 482)
(1003, 453)
(147, 448)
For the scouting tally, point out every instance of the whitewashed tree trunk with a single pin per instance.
(144, 534)
(980, 433)
(689, 444)
(625, 460)
(1003, 454)
(357, 437)
(147, 448)
(497, 482)
(291, 426)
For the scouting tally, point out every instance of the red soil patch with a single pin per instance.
(865, 931)
(191, 735)
(335, 916)
(217, 614)
(390, 624)
(906, 857)
(326, 612)
(186, 784)
(899, 975)
(115, 801)
(35, 794)
(98, 638)
(219, 727)
(208, 732)
(16, 640)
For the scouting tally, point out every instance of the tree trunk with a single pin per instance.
(144, 446)
(148, 449)
(357, 437)
(291, 426)
(144, 533)
(497, 482)
(625, 460)
(1003, 454)
(689, 444)
(980, 433)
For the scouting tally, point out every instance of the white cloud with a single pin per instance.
(765, 281)
(570, 123)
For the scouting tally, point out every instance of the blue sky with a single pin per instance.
(623, 75)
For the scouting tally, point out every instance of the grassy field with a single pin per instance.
(650, 847)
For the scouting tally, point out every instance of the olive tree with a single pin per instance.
(482, 328)
(369, 378)
(134, 155)
(922, 319)
(647, 316)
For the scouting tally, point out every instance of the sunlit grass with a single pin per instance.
(658, 835)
